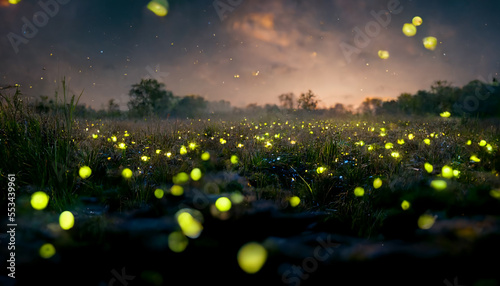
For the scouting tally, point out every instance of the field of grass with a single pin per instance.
(155, 185)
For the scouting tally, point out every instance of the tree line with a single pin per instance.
(150, 98)
(475, 99)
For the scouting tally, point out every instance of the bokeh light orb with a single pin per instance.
(85, 172)
(430, 43)
(409, 30)
(294, 201)
(66, 220)
(127, 173)
(39, 200)
(158, 7)
(417, 21)
(159, 193)
(177, 241)
(383, 54)
(251, 257)
(47, 250)
(223, 204)
(196, 174)
(359, 192)
(426, 221)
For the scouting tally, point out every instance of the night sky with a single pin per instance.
(248, 51)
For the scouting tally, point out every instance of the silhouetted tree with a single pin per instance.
(308, 101)
(370, 105)
(148, 97)
(287, 100)
(190, 106)
(338, 109)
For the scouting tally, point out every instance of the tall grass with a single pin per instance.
(279, 156)
(40, 148)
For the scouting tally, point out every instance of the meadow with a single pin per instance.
(251, 197)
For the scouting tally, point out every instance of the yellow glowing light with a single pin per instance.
(489, 147)
(122, 146)
(430, 43)
(183, 150)
(360, 143)
(145, 158)
(383, 54)
(428, 167)
(427, 141)
(222, 141)
(447, 172)
(158, 151)
(205, 156)
(192, 146)
(159, 193)
(426, 221)
(168, 154)
(113, 138)
(409, 30)
(405, 205)
(411, 136)
(456, 173)
(237, 197)
(66, 220)
(159, 7)
(389, 145)
(180, 178)
(223, 204)
(177, 242)
(439, 185)
(47, 251)
(401, 141)
(370, 147)
(39, 200)
(14, 2)
(240, 145)
(320, 170)
(416, 21)
(359, 192)
(475, 159)
(177, 190)
(196, 174)
(234, 159)
(495, 193)
(377, 183)
(294, 201)
(482, 143)
(469, 142)
(95, 136)
(85, 172)
(445, 114)
(127, 173)
(395, 154)
(251, 257)
(190, 226)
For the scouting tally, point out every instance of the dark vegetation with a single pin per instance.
(264, 158)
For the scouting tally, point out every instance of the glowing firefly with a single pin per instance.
(409, 30)
(430, 43)
(159, 7)
(383, 54)
(417, 21)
